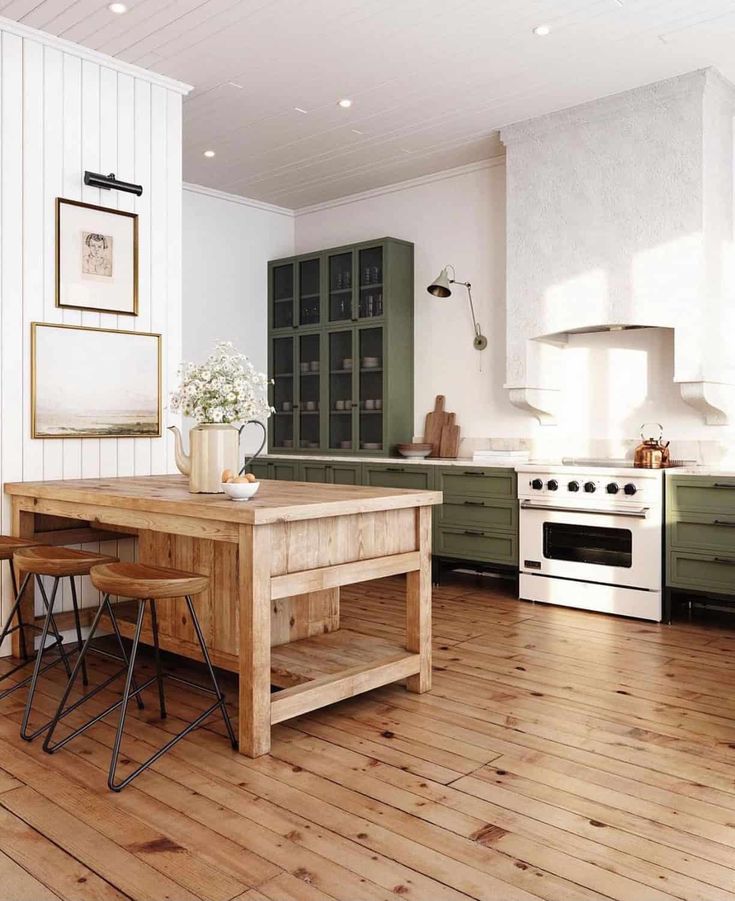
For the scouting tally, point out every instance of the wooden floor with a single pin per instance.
(561, 755)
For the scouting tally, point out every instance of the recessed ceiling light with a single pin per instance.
(209, 154)
(541, 30)
(300, 109)
(345, 103)
(118, 8)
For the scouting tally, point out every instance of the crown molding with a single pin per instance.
(442, 175)
(102, 59)
(238, 198)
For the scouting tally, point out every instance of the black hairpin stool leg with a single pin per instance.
(157, 653)
(49, 624)
(77, 623)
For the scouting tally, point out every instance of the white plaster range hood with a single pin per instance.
(620, 214)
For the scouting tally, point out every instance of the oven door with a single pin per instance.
(621, 547)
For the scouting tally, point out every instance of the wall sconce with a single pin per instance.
(108, 182)
(440, 288)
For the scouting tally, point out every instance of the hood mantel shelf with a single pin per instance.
(620, 215)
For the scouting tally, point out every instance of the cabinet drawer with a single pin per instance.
(284, 470)
(455, 481)
(347, 473)
(314, 472)
(474, 544)
(479, 513)
(259, 469)
(703, 532)
(699, 495)
(397, 476)
(702, 572)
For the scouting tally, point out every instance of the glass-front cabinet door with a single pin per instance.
(309, 305)
(342, 367)
(370, 271)
(282, 296)
(370, 387)
(309, 391)
(341, 281)
(283, 392)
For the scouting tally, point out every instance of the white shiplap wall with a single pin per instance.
(64, 109)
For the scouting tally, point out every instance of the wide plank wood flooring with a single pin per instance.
(561, 755)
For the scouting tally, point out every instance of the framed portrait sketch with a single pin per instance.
(96, 258)
(94, 382)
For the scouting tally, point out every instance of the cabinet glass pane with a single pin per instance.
(309, 292)
(340, 287)
(283, 392)
(309, 384)
(340, 391)
(370, 347)
(283, 296)
(370, 268)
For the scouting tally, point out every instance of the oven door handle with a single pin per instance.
(638, 514)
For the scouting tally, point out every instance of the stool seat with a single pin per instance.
(141, 581)
(8, 545)
(58, 561)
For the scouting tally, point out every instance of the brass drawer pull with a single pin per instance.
(724, 522)
(728, 561)
(725, 485)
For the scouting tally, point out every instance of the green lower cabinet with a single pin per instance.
(314, 472)
(285, 470)
(478, 513)
(384, 475)
(700, 534)
(702, 572)
(476, 544)
(346, 473)
(259, 469)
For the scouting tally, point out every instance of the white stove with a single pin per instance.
(591, 536)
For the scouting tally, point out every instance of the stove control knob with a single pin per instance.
(590, 487)
(613, 488)
(573, 486)
(537, 484)
(552, 485)
(630, 489)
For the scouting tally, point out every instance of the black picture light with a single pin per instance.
(109, 182)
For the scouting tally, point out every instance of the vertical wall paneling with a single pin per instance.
(64, 109)
(11, 263)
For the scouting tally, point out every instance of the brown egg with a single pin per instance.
(250, 477)
(228, 475)
(240, 479)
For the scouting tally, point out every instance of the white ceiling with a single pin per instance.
(431, 80)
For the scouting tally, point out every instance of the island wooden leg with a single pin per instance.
(254, 575)
(24, 526)
(418, 604)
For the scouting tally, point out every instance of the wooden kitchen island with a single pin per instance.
(276, 564)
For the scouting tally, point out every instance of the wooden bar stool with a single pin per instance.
(58, 563)
(146, 584)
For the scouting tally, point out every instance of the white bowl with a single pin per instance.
(240, 491)
(414, 451)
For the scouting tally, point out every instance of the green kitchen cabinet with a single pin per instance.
(259, 468)
(340, 349)
(396, 475)
(700, 537)
(333, 473)
(478, 520)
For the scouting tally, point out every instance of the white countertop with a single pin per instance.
(408, 461)
(530, 465)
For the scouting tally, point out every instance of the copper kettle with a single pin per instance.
(652, 453)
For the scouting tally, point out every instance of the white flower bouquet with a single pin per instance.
(226, 388)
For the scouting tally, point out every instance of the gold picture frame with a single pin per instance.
(86, 268)
(76, 389)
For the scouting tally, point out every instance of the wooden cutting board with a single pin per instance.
(449, 444)
(434, 425)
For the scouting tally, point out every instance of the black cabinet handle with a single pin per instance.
(723, 522)
(474, 503)
(394, 469)
(473, 472)
(472, 532)
(726, 560)
(725, 485)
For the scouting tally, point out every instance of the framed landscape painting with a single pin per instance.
(96, 258)
(94, 383)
